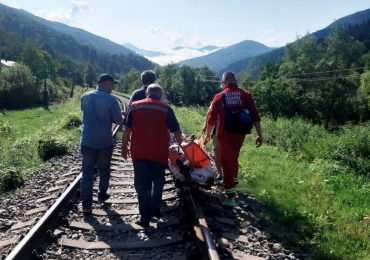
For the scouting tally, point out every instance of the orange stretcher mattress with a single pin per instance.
(197, 157)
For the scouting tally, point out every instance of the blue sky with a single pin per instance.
(164, 24)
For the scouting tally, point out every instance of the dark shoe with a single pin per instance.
(157, 214)
(142, 223)
(86, 210)
(103, 197)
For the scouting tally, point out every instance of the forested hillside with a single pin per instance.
(324, 80)
(83, 37)
(62, 59)
(19, 30)
(253, 65)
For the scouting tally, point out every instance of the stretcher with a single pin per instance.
(190, 162)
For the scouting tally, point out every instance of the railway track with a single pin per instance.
(53, 226)
(64, 232)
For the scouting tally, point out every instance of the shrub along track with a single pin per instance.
(61, 231)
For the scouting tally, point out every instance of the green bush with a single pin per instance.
(50, 146)
(72, 120)
(291, 134)
(5, 126)
(58, 90)
(18, 88)
(10, 179)
(348, 146)
(351, 148)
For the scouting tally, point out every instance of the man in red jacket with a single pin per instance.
(147, 123)
(232, 97)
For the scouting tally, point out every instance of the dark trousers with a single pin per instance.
(149, 182)
(101, 158)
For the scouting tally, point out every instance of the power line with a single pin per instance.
(323, 78)
(208, 78)
(323, 72)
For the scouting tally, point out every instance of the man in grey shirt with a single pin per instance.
(147, 77)
(100, 110)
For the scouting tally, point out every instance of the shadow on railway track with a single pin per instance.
(125, 232)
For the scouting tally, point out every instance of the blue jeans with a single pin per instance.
(100, 158)
(149, 182)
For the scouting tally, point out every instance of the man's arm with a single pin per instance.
(212, 115)
(259, 137)
(130, 102)
(173, 125)
(178, 136)
(251, 105)
(209, 129)
(132, 99)
(116, 114)
(120, 121)
(204, 128)
(126, 135)
(125, 140)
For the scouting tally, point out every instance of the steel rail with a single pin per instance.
(201, 228)
(41, 233)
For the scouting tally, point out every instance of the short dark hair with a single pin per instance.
(148, 77)
(229, 77)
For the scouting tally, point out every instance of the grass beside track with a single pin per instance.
(20, 132)
(313, 202)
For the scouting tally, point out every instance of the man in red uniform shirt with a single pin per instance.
(231, 143)
(147, 123)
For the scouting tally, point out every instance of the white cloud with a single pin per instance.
(177, 38)
(10, 3)
(155, 29)
(176, 56)
(166, 34)
(66, 14)
(174, 39)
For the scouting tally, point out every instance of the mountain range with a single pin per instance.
(142, 52)
(219, 59)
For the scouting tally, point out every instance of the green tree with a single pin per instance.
(90, 75)
(245, 80)
(336, 97)
(363, 96)
(129, 81)
(313, 80)
(165, 79)
(18, 88)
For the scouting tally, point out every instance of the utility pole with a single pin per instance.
(1, 47)
(73, 83)
(45, 92)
